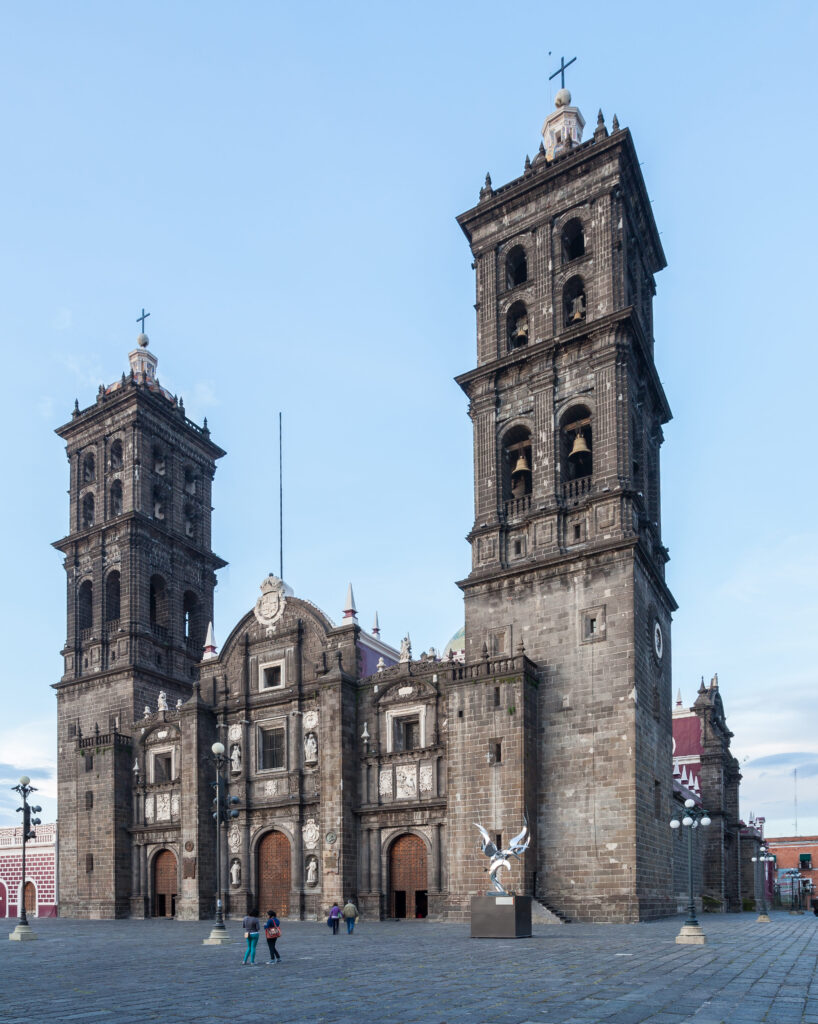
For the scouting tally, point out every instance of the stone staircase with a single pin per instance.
(541, 913)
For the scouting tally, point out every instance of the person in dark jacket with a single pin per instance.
(272, 931)
(335, 918)
(251, 927)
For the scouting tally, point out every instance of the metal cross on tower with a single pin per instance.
(561, 71)
(144, 317)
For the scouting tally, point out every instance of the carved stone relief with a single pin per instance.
(188, 867)
(234, 733)
(234, 839)
(385, 782)
(310, 720)
(272, 787)
(162, 806)
(406, 781)
(426, 778)
(174, 806)
(149, 809)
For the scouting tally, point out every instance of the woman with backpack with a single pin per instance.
(272, 932)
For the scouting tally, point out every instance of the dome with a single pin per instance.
(456, 644)
(563, 98)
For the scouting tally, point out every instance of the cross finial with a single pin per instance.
(561, 71)
(142, 319)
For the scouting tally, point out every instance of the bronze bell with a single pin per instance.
(580, 447)
(522, 465)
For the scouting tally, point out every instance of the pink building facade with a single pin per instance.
(41, 872)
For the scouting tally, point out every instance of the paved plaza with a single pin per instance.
(128, 971)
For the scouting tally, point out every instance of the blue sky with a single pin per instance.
(278, 184)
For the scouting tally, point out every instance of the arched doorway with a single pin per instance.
(408, 875)
(30, 897)
(165, 875)
(4, 910)
(274, 874)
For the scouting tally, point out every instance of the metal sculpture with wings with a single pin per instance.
(499, 858)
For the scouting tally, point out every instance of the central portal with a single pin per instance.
(274, 874)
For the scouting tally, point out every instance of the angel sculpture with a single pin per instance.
(499, 858)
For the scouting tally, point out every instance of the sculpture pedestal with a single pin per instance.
(495, 916)
(22, 933)
(217, 937)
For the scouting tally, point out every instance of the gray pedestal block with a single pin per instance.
(500, 917)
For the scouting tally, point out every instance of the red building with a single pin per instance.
(41, 872)
(801, 854)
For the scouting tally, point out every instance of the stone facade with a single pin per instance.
(369, 767)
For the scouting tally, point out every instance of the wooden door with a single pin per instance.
(408, 877)
(165, 876)
(274, 874)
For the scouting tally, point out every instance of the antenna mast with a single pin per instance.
(280, 505)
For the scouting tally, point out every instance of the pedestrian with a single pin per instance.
(251, 927)
(272, 932)
(334, 918)
(350, 913)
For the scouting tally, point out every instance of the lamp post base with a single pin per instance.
(217, 937)
(22, 933)
(691, 935)
(764, 917)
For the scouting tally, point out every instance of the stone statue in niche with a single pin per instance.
(148, 712)
(312, 871)
(310, 748)
(235, 758)
(235, 873)
(179, 704)
(162, 703)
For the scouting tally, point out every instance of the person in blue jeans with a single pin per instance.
(272, 930)
(251, 927)
(350, 913)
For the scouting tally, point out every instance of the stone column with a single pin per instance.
(375, 859)
(365, 879)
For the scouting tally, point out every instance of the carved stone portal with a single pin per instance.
(311, 834)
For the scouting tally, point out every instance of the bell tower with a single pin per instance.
(140, 578)
(568, 561)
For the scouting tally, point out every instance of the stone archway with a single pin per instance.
(30, 897)
(165, 884)
(273, 874)
(408, 877)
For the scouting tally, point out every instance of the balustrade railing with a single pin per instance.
(518, 506)
(577, 488)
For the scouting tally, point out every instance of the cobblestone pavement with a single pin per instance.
(128, 971)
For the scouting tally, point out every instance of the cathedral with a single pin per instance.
(351, 767)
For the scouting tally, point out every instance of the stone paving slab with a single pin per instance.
(416, 971)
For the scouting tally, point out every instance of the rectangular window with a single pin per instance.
(577, 532)
(657, 798)
(407, 733)
(495, 752)
(271, 675)
(270, 748)
(89, 800)
(498, 840)
(162, 767)
(499, 644)
(72, 732)
(89, 863)
(89, 762)
(497, 696)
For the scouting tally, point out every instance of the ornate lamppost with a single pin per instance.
(763, 857)
(221, 812)
(23, 930)
(691, 933)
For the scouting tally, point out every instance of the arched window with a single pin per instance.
(87, 511)
(190, 611)
(573, 240)
(573, 301)
(112, 596)
(85, 605)
(116, 498)
(89, 469)
(516, 267)
(116, 455)
(158, 461)
(190, 480)
(158, 602)
(517, 326)
(158, 503)
(516, 468)
(576, 444)
(190, 521)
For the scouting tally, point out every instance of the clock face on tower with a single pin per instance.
(658, 640)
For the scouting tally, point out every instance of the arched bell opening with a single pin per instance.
(112, 596)
(516, 463)
(116, 498)
(574, 302)
(158, 602)
(516, 267)
(576, 444)
(517, 326)
(116, 455)
(573, 240)
(190, 613)
(87, 511)
(85, 605)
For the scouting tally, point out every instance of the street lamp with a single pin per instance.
(24, 788)
(763, 857)
(691, 933)
(221, 813)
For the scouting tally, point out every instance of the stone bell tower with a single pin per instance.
(140, 578)
(567, 552)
